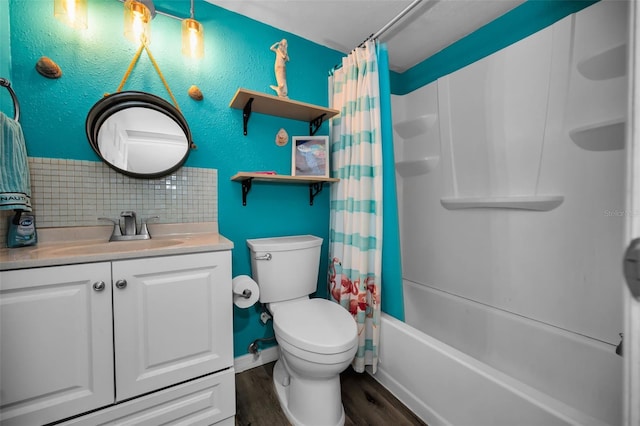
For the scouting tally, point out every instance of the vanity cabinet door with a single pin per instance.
(172, 320)
(56, 344)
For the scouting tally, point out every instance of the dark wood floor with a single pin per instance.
(365, 401)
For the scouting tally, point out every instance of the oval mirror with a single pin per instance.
(138, 134)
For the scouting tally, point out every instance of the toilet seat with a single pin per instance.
(315, 325)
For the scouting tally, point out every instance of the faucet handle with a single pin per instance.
(116, 228)
(144, 229)
(151, 217)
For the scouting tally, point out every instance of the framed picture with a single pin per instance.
(310, 156)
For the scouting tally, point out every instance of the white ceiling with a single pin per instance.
(343, 24)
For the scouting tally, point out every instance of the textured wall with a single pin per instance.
(5, 58)
(237, 54)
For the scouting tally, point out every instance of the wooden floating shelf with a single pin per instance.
(250, 101)
(315, 183)
(537, 203)
(240, 176)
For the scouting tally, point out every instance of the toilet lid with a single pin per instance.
(316, 325)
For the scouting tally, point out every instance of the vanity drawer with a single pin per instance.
(204, 401)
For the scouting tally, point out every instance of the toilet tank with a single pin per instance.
(285, 268)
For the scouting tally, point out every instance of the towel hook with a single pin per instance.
(16, 105)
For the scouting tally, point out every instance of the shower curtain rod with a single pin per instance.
(382, 30)
(391, 22)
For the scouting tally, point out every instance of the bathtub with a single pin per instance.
(446, 386)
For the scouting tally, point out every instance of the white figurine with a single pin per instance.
(280, 48)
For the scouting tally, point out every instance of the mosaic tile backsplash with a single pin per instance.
(76, 193)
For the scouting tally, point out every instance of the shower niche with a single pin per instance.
(419, 151)
(494, 117)
(417, 134)
(596, 116)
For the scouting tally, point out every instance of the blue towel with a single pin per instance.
(15, 182)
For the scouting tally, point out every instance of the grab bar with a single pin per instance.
(16, 105)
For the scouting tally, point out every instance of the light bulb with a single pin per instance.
(136, 22)
(192, 38)
(72, 12)
(137, 26)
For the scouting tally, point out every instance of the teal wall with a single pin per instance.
(522, 21)
(6, 105)
(237, 54)
(392, 291)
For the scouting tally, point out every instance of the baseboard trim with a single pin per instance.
(249, 361)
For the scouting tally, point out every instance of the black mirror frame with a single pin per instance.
(119, 101)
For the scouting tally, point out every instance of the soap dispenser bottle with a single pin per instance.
(22, 230)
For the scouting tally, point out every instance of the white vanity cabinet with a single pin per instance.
(69, 345)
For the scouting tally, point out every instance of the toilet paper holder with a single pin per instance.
(246, 293)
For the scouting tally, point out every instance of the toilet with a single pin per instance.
(317, 338)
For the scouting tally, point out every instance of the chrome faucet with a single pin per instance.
(130, 230)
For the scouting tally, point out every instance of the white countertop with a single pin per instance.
(83, 244)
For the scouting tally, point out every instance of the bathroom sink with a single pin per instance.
(115, 246)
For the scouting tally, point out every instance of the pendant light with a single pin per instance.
(137, 21)
(72, 12)
(192, 37)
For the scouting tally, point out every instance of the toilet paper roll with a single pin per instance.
(241, 286)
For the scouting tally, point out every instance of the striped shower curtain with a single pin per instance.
(355, 243)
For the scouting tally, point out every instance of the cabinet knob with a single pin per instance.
(99, 285)
(121, 284)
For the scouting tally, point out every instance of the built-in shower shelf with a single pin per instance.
(418, 167)
(611, 63)
(601, 136)
(537, 202)
(416, 126)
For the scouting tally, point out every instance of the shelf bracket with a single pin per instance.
(314, 189)
(246, 113)
(246, 187)
(315, 124)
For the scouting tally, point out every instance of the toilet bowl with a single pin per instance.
(317, 338)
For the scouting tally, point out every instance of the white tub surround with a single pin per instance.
(445, 386)
(512, 244)
(569, 368)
